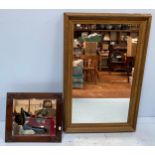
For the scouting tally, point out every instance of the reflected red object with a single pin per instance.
(47, 123)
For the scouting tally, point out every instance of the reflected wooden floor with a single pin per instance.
(109, 85)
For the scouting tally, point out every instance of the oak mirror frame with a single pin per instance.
(72, 23)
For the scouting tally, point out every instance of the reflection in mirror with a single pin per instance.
(34, 117)
(102, 71)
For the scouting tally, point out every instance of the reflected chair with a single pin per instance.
(90, 68)
(118, 61)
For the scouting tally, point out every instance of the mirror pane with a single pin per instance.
(34, 117)
(102, 71)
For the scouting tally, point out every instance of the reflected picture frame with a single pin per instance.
(45, 99)
(70, 19)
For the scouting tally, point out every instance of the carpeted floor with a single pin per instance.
(109, 85)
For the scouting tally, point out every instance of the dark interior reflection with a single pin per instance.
(34, 116)
(103, 60)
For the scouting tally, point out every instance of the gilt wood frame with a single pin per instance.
(21, 138)
(94, 18)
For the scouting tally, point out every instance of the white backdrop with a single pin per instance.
(31, 54)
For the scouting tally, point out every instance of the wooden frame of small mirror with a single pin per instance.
(72, 20)
(33, 117)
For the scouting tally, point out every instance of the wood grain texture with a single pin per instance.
(102, 18)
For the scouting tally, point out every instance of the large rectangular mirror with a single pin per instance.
(104, 63)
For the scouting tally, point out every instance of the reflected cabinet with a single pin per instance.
(104, 57)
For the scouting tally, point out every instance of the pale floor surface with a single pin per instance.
(144, 135)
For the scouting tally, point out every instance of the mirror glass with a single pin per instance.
(102, 71)
(34, 116)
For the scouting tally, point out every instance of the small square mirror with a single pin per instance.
(33, 117)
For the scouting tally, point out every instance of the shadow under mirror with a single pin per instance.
(34, 117)
(102, 71)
